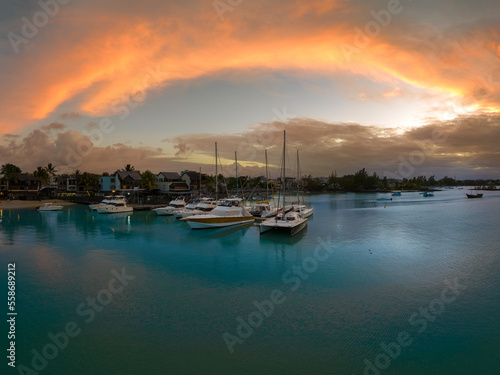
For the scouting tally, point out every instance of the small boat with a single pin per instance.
(428, 194)
(116, 206)
(396, 193)
(472, 196)
(227, 213)
(173, 206)
(49, 207)
(383, 199)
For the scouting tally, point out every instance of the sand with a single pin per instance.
(17, 204)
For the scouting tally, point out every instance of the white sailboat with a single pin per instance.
(301, 208)
(263, 209)
(291, 222)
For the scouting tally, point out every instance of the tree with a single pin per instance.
(148, 180)
(89, 180)
(105, 174)
(42, 174)
(51, 169)
(10, 172)
(129, 168)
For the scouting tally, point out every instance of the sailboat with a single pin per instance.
(472, 196)
(227, 213)
(263, 209)
(301, 208)
(288, 221)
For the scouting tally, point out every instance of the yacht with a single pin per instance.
(303, 210)
(115, 206)
(205, 206)
(106, 200)
(173, 206)
(190, 206)
(227, 213)
(49, 207)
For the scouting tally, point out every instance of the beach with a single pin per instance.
(18, 204)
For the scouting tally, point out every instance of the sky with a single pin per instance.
(402, 88)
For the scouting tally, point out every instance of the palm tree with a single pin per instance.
(10, 171)
(42, 174)
(148, 180)
(129, 168)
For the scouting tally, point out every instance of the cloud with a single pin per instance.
(55, 126)
(464, 147)
(127, 50)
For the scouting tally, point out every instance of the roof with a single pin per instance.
(170, 175)
(26, 177)
(194, 175)
(132, 174)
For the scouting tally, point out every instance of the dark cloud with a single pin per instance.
(55, 126)
(71, 115)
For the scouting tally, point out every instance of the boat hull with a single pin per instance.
(278, 226)
(219, 222)
(472, 196)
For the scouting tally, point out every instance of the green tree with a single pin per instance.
(10, 172)
(148, 180)
(42, 174)
(129, 168)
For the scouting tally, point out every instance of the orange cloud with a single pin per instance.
(96, 56)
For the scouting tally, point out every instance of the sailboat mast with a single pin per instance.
(199, 186)
(216, 174)
(284, 171)
(298, 178)
(267, 180)
(236, 161)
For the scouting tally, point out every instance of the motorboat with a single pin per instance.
(49, 207)
(396, 193)
(227, 213)
(263, 210)
(115, 206)
(428, 194)
(190, 206)
(204, 206)
(106, 200)
(173, 206)
(383, 199)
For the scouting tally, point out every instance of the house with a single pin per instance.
(192, 179)
(167, 181)
(21, 185)
(66, 184)
(108, 183)
(128, 180)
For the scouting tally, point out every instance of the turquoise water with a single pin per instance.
(381, 262)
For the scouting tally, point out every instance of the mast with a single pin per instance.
(298, 179)
(199, 186)
(216, 174)
(267, 180)
(236, 161)
(284, 172)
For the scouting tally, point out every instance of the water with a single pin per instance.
(387, 260)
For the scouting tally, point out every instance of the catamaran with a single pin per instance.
(290, 222)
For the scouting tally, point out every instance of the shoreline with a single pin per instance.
(19, 205)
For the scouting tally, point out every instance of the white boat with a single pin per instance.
(49, 207)
(173, 206)
(204, 206)
(227, 213)
(116, 206)
(263, 210)
(289, 221)
(303, 210)
(106, 200)
(190, 206)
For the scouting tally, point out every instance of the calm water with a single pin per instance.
(386, 261)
